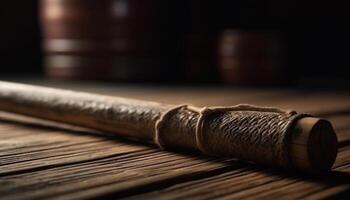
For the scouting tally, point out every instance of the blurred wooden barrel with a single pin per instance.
(252, 58)
(104, 39)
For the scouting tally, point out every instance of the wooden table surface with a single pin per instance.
(46, 160)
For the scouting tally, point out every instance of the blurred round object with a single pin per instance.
(251, 58)
(101, 67)
(104, 39)
(98, 19)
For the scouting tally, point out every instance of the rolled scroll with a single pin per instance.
(262, 135)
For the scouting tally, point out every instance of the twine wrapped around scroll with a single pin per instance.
(231, 131)
(263, 135)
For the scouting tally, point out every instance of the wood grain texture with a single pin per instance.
(46, 160)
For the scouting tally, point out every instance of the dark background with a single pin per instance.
(20, 47)
(317, 32)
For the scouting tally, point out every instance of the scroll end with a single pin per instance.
(313, 145)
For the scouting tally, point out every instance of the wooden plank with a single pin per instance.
(94, 160)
